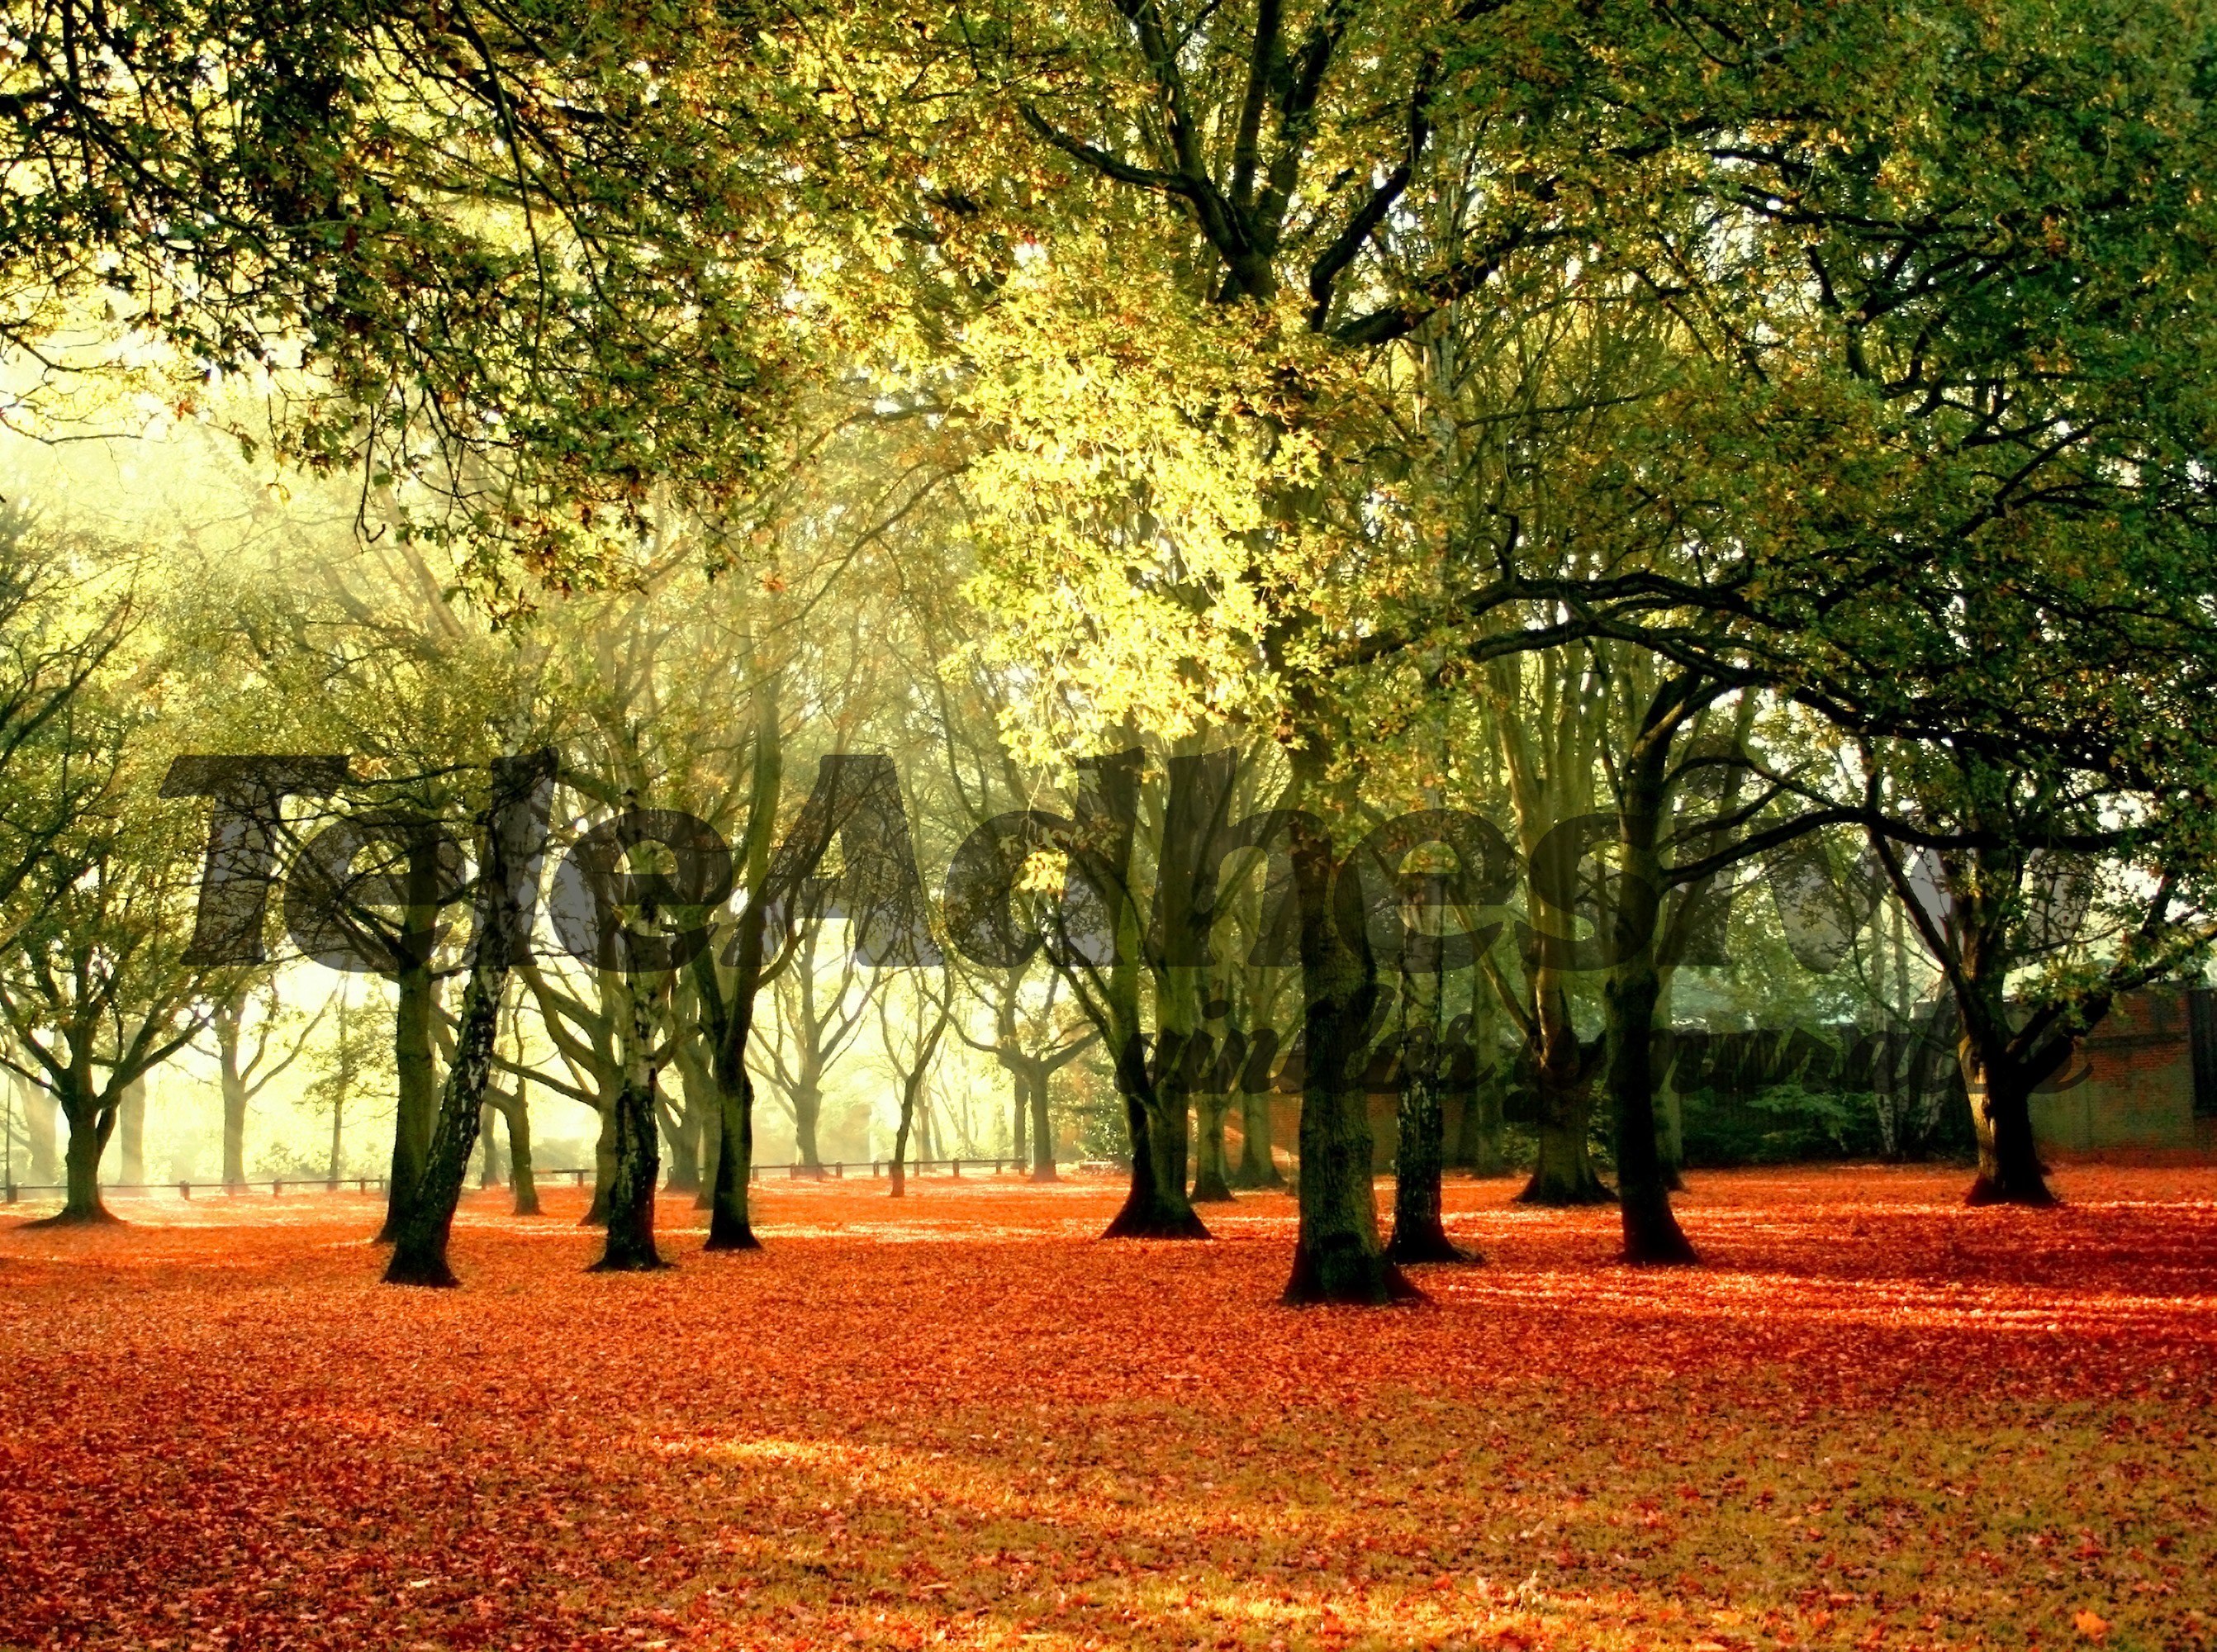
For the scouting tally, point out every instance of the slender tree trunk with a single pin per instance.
(712, 1145)
(897, 1180)
(331, 1165)
(1651, 1234)
(510, 828)
(130, 1134)
(419, 1252)
(234, 1103)
(489, 1175)
(604, 1166)
(524, 1185)
(39, 1111)
(729, 1226)
(1042, 1132)
(1019, 1113)
(2010, 1170)
(415, 1075)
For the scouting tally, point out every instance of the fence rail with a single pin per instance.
(16, 1190)
(836, 1171)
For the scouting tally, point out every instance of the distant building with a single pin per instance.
(2144, 1087)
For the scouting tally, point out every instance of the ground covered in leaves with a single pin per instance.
(1875, 1418)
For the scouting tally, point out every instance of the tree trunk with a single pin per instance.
(1043, 1133)
(234, 1103)
(1337, 1256)
(1560, 1070)
(416, 1075)
(1020, 1108)
(631, 1247)
(1211, 1182)
(130, 1134)
(419, 1254)
(507, 862)
(684, 1139)
(729, 1226)
(1258, 1165)
(807, 1108)
(488, 1147)
(524, 1185)
(89, 1126)
(331, 1166)
(605, 1166)
(1651, 1234)
(897, 1180)
(1475, 1078)
(39, 1129)
(2010, 1170)
(1156, 1206)
(1419, 1235)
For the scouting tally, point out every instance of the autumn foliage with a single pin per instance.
(1877, 1419)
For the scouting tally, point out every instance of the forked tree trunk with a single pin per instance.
(1156, 1207)
(89, 1126)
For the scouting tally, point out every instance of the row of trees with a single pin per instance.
(1685, 442)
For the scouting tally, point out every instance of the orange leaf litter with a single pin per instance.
(1875, 1419)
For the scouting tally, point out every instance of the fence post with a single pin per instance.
(277, 1187)
(955, 1168)
(185, 1190)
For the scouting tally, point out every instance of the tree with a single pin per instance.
(529, 256)
(244, 1075)
(95, 990)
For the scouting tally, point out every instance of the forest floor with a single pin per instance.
(1874, 1418)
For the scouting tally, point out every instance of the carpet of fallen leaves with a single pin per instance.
(1874, 1419)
